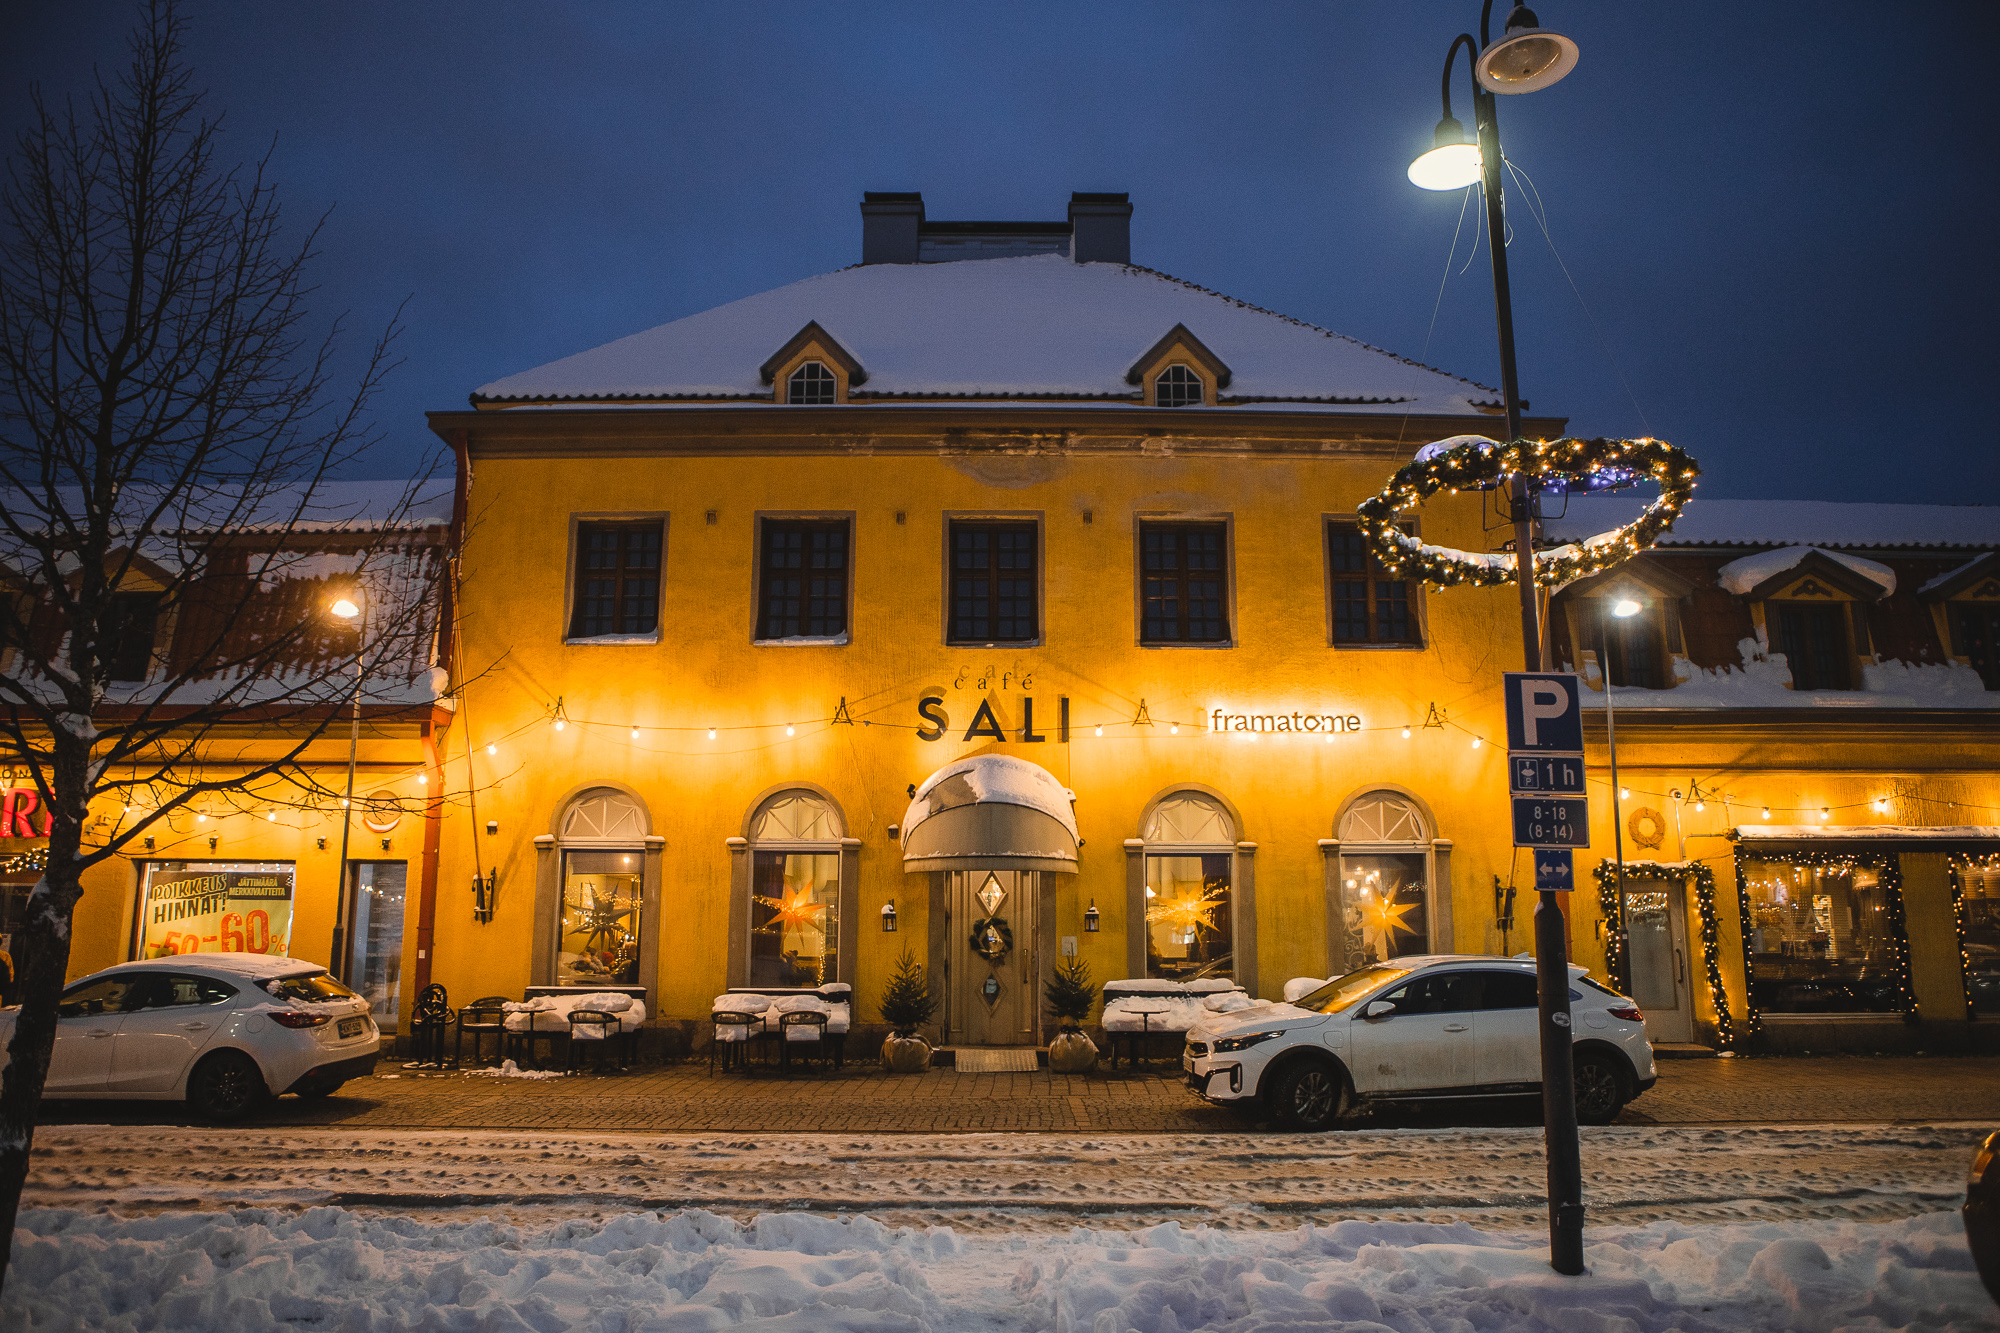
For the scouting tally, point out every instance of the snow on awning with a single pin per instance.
(990, 812)
(1879, 837)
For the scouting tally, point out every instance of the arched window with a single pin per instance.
(1385, 858)
(811, 384)
(598, 928)
(1177, 386)
(795, 891)
(1190, 901)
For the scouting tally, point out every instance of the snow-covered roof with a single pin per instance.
(1868, 833)
(1038, 326)
(1821, 523)
(1740, 576)
(995, 778)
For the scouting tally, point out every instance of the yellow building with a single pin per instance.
(999, 600)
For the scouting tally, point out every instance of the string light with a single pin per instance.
(791, 730)
(1475, 742)
(1767, 812)
(1100, 731)
(711, 733)
(270, 816)
(1882, 805)
(1406, 733)
(492, 749)
(423, 779)
(1173, 728)
(203, 818)
(1825, 813)
(559, 723)
(1624, 793)
(635, 733)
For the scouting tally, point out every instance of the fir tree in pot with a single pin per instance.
(907, 1004)
(1071, 995)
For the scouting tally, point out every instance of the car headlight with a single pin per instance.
(1247, 1040)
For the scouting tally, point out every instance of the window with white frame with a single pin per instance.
(1190, 893)
(795, 891)
(1385, 845)
(812, 385)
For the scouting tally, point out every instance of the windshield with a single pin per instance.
(1342, 992)
(315, 989)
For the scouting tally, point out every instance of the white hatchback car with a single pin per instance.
(222, 1030)
(1416, 1029)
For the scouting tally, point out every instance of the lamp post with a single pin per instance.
(1526, 58)
(347, 609)
(1624, 608)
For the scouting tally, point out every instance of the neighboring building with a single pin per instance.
(997, 598)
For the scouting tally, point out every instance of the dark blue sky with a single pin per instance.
(1775, 221)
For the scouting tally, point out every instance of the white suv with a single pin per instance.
(223, 1030)
(1440, 1026)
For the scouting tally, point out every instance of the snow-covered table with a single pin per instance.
(1139, 1009)
(769, 1005)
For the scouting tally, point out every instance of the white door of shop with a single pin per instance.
(1656, 957)
(990, 948)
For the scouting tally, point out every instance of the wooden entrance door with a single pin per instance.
(990, 949)
(1657, 957)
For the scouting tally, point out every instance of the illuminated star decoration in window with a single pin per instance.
(1382, 920)
(795, 911)
(602, 924)
(1186, 913)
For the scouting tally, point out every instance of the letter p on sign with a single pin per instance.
(1544, 711)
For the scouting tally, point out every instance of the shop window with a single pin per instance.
(1975, 635)
(1824, 939)
(1979, 907)
(1385, 857)
(599, 931)
(375, 936)
(130, 628)
(795, 891)
(812, 385)
(1177, 386)
(213, 907)
(802, 581)
(994, 584)
(1190, 900)
(617, 579)
(1813, 638)
(1184, 583)
(1369, 605)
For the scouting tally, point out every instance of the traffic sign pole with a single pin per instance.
(1545, 713)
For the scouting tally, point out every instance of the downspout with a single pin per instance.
(439, 720)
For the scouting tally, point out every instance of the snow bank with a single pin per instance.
(1740, 576)
(257, 1269)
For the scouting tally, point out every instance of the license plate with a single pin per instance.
(352, 1027)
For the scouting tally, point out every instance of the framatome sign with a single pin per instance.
(1318, 724)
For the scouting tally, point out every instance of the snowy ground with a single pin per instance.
(1776, 1227)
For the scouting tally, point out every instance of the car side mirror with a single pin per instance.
(1378, 1009)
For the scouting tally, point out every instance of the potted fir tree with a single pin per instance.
(907, 1004)
(1071, 995)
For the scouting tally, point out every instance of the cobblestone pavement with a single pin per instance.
(862, 1099)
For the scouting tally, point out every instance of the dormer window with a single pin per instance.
(1625, 625)
(812, 384)
(1177, 386)
(1813, 605)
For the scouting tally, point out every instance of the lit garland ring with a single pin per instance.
(1473, 462)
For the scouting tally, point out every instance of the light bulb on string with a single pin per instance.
(1825, 813)
(711, 733)
(423, 779)
(492, 749)
(791, 730)
(1767, 812)
(1406, 733)
(1882, 805)
(270, 816)
(1173, 728)
(635, 733)
(1475, 742)
(559, 723)
(1624, 793)
(1100, 731)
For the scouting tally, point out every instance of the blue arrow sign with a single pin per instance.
(1555, 871)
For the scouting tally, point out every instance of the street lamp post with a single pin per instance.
(1525, 59)
(1624, 608)
(348, 610)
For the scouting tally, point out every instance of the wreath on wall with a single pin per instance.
(1647, 826)
(991, 939)
(1570, 464)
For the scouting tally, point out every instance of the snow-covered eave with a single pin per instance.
(1878, 835)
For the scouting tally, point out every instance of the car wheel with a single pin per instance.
(1311, 1096)
(226, 1086)
(1600, 1091)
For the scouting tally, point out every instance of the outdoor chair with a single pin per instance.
(428, 1024)
(594, 1027)
(802, 1027)
(480, 1018)
(733, 1035)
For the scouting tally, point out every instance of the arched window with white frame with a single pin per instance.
(1190, 905)
(599, 921)
(1385, 872)
(794, 919)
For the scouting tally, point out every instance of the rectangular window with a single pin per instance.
(1813, 638)
(1189, 926)
(1824, 939)
(598, 933)
(1975, 634)
(1183, 583)
(214, 907)
(802, 580)
(375, 936)
(1369, 604)
(129, 629)
(1635, 648)
(617, 579)
(795, 919)
(1383, 897)
(993, 583)
(1979, 888)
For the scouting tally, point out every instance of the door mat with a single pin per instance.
(1000, 1060)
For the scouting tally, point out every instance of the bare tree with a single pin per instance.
(169, 425)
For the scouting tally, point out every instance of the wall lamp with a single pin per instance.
(889, 918)
(1091, 918)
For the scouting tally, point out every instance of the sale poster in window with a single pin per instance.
(211, 907)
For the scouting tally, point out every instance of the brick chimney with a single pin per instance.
(890, 227)
(1100, 228)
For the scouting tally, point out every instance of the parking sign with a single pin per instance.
(1544, 711)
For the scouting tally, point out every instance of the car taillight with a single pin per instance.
(1630, 1013)
(292, 1018)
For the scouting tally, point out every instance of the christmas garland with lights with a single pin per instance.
(35, 858)
(1616, 946)
(1956, 868)
(1480, 464)
(1889, 871)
